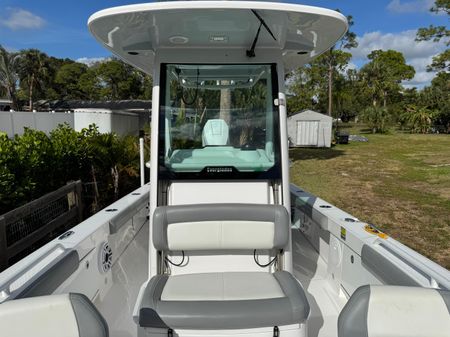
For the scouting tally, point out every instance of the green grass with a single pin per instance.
(400, 182)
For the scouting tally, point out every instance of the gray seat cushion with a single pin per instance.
(288, 307)
(386, 311)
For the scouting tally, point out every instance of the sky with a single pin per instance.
(58, 28)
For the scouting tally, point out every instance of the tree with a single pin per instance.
(301, 91)
(347, 95)
(384, 73)
(32, 71)
(147, 86)
(120, 80)
(377, 118)
(333, 59)
(68, 77)
(437, 97)
(8, 74)
(116, 155)
(420, 118)
(52, 90)
(89, 85)
(441, 62)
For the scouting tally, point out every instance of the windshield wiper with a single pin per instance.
(251, 52)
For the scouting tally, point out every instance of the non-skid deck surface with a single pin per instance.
(311, 270)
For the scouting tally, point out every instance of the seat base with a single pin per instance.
(165, 305)
(294, 330)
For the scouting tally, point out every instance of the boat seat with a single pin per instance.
(387, 311)
(68, 315)
(241, 300)
(227, 300)
(215, 133)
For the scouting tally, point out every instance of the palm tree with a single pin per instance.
(119, 155)
(420, 118)
(33, 69)
(8, 74)
(377, 118)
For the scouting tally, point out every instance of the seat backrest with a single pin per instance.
(220, 227)
(68, 315)
(215, 132)
(386, 311)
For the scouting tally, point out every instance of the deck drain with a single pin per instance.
(325, 206)
(111, 210)
(350, 220)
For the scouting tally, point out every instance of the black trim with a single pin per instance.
(271, 174)
(149, 318)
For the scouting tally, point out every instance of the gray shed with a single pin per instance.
(309, 128)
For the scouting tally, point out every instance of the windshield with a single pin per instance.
(218, 119)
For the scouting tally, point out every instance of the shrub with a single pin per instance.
(34, 164)
(377, 118)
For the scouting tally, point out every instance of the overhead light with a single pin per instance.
(178, 39)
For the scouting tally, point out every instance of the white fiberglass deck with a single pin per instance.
(311, 270)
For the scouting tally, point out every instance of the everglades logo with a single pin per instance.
(219, 170)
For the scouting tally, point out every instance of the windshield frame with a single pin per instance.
(218, 172)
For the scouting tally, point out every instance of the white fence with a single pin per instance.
(14, 122)
(120, 122)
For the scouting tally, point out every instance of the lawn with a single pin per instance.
(399, 182)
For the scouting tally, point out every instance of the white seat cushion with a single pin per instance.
(237, 300)
(221, 287)
(68, 315)
(220, 227)
(395, 311)
(215, 132)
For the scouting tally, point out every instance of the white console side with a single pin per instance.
(185, 193)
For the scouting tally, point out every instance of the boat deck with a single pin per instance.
(311, 270)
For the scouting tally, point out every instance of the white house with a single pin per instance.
(309, 128)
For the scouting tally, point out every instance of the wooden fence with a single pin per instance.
(31, 226)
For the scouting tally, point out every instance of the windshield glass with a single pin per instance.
(218, 119)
